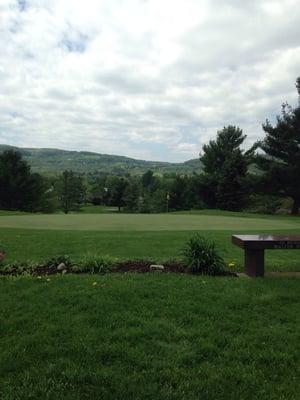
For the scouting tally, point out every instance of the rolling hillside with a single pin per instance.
(52, 161)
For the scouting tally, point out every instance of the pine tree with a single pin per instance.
(281, 161)
(225, 165)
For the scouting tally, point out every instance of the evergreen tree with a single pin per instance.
(19, 188)
(225, 165)
(281, 161)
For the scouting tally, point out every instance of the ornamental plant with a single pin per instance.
(201, 257)
(94, 264)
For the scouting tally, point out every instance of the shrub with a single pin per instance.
(95, 265)
(54, 262)
(201, 257)
(18, 268)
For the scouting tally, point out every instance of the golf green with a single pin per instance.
(145, 222)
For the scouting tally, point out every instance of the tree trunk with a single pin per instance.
(296, 206)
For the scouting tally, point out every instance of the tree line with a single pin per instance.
(232, 178)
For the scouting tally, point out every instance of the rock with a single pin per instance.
(64, 271)
(61, 267)
(155, 267)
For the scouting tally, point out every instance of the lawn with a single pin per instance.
(149, 336)
(146, 222)
(127, 236)
(146, 336)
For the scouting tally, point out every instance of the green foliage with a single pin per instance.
(19, 188)
(132, 196)
(281, 161)
(53, 262)
(71, 191)
(53, 161)
(18, 267)
(201, 256)
(115, 190)
(265, 204)
(94, 264)
(180, 193)
(225, 165)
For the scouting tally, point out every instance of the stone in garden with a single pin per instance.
(157, 267)
(61, 267)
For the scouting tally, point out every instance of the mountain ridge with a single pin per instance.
(51, 161)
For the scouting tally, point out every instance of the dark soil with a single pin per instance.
(140, 266)
(144, 266)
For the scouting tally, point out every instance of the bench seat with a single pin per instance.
(255, 245)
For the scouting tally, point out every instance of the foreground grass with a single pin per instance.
(36, 245)
(149, 337)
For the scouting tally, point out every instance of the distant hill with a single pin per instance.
(53, 161)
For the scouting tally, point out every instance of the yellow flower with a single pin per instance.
(95, 283)
(231, 265)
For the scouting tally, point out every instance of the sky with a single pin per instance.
(149, 79)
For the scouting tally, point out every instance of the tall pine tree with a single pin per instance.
(225, 165)
(281, 159)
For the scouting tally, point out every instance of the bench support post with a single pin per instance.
(255, 262)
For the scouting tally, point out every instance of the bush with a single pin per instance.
(54, 262)
(201, 257)
(95, 265)
(265, 204)
(18, 268)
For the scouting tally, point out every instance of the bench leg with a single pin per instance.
(255, 262)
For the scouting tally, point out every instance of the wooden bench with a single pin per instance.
(255, 246)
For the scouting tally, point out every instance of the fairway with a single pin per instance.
(145, 222)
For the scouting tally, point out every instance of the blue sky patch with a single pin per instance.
(74, 42)
(22, 4)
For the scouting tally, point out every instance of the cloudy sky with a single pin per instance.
(151, 79)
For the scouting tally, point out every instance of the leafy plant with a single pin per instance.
(201, 257)
(54, 262)
(18, 268)
(95, 265)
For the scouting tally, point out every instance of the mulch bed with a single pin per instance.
(137, 266)
(144, 266)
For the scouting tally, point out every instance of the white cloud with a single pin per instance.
(143, 78)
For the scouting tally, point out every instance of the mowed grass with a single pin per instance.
(150, 336)
(131, 236)
(145, 222)
(36, 245)
(147, 336)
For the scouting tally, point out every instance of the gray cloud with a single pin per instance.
(148, 79)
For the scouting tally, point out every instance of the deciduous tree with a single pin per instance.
(71, 191)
